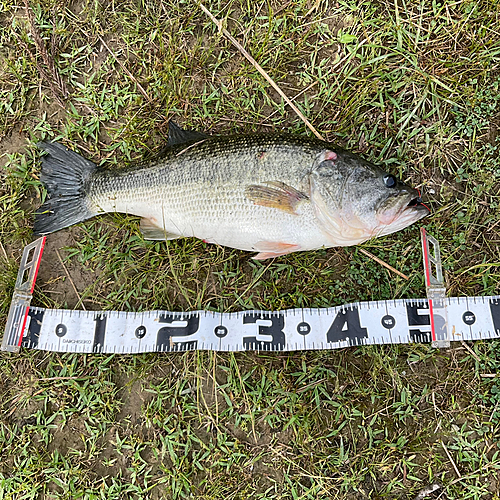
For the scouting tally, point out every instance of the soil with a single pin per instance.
(64, 284)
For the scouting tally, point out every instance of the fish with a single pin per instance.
(272, 194)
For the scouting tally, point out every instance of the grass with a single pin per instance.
(410, 85)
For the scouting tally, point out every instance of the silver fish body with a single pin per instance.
(272, 194)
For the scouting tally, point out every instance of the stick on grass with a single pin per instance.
(259, 68)
(382, 263)
(130, 75)
(80, 301)
(53, 77)
(451, 460)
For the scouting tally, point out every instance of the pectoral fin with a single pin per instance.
(151, 231)
(271, 249)
(276, 194)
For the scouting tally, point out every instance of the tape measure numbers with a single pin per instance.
(364, 323)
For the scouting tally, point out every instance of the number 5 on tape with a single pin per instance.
(436, 291)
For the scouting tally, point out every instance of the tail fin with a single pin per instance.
(66, 175)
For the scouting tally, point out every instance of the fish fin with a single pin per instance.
(276, 194)
(177, 135)
(151, 231)
(270, 249)
(65, 175)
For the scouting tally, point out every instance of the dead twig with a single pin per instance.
(311, 385)
(80, 301)
(451, 460)
(53, 78)
(256, 65)
(472, 353)
(130, 75)
(382, 263)
(45, 76)
(48, 379)
(4, 252)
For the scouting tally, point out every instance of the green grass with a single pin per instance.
(410, 85)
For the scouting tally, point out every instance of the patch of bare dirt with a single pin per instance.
(12, 142)
(70, 437)
(134, 398)
(59, 284)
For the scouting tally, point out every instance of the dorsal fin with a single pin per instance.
(176, 135)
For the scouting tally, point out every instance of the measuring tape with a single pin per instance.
(436, 319)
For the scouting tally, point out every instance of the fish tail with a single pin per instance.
(66, 176)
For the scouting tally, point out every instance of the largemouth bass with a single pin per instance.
(270, 194)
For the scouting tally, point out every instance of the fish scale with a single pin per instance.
(271, 193)
(213, 206)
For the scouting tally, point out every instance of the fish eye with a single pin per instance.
(390, 180)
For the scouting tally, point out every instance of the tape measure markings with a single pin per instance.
(365, 323)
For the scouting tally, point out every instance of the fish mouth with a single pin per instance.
(409, 210)
(416, 204)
